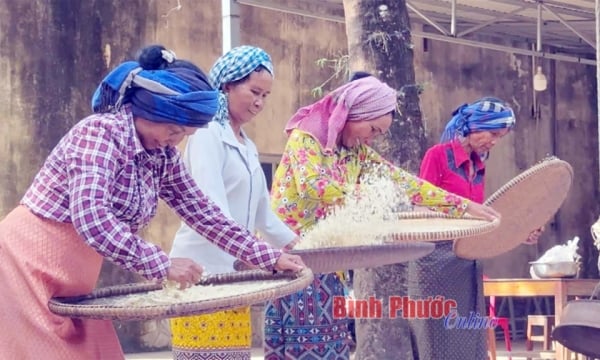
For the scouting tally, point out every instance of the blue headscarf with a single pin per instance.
(235, 65)
(176, 95)
(483, 115)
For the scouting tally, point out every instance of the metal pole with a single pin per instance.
(508, 49)
(231, 24)
(539, 27)
(598, 74)
(570, 27)
(444, 37)
(453, 19)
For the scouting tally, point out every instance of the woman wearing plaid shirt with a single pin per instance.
(97, 189)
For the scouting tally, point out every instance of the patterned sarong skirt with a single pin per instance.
(224, 335)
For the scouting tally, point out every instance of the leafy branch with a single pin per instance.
(339, 66)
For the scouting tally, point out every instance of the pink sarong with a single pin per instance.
(40, 259)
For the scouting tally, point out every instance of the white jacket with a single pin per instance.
(230, 174)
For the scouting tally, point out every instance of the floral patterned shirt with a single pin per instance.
(308, 181)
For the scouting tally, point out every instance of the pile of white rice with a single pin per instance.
(367, 217)
(171, 294)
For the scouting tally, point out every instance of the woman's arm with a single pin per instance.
(182, 194)
(422, 192)
(92, 166)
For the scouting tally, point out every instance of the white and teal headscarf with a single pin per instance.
(235, 65)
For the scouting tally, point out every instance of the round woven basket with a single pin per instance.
(410, 240)
(435, 226)
(105, 303)
(357, 257)
(579, 328)
(526, 203)
(327, 260)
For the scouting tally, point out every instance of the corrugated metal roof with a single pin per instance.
(517, 19)
(568, 26)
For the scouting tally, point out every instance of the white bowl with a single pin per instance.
(559, 269)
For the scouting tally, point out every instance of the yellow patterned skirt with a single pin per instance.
(224, 335)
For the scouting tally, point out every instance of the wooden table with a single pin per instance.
(561, 289)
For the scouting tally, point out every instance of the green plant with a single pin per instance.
(339, 67)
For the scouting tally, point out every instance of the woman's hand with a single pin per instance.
(534, 236)
(285, 261)
(289, 262)
(482, 211)
(185, 271)
(293, 243)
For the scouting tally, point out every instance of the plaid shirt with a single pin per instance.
(101, 179)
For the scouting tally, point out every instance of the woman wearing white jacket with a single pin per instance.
(225, 164)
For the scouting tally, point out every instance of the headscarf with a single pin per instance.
(361, 99)
(482, 115)
(176, 95)
(235, 65)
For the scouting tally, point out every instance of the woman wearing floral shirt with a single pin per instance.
(326, 153)
(309, 181)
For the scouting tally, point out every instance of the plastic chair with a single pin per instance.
(503, 322)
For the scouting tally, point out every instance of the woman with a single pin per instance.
(457, 165)
(98, 187)
(326, 153)
(224, 162)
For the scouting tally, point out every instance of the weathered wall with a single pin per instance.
(561, 123)
(576, 141)
(453, 74)
(52, 54)
(50, 58)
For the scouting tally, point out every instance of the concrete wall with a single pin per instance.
(562, 122)
(53, 53)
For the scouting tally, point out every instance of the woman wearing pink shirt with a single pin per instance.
(457, 165)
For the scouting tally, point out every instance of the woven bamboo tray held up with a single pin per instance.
(525, 203)
(436, 226)
(105, 304)
(412, 237)
(358, 257)
(326, 260)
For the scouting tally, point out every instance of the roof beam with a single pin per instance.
(433, 36)
(488, 23)
(560, 7)
(504, 48)
(568, 26)
(427, 19)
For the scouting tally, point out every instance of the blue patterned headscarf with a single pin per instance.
(235, 65)
(482, 115)
(176, 95)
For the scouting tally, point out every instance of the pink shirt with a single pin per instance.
(447, 166)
